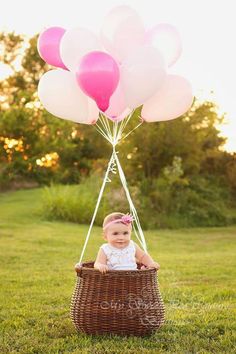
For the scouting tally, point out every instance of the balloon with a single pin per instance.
(98, 77)
(122, 32)
(142, 74)
(61, 96)
(93, 111)
(48, 46)
(121, 116)
(171, 101)
(117, 104)
(76, 43)
(167, 39)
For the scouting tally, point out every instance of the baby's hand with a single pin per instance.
(103, 268)
(154, 265)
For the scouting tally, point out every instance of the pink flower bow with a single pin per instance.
(127, 219)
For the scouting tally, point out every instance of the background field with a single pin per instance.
(197, 282)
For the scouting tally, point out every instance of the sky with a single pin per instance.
(207, 29)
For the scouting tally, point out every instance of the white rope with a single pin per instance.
(113, 162)
(106, 124)
(97, 205)
(131, 131)
(132, 207)
(102, 132)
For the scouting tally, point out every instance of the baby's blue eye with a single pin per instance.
(115, 233)
(126, 233)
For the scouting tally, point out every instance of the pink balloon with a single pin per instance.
(172, 100)
(121, 116)
(117, 104)
(49, 46)
(122, 32)
(167, 39)
(98, 76)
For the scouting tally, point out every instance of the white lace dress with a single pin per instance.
(120, 259)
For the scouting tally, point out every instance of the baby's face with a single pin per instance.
(118, 235)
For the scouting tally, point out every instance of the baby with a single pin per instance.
(120, 252)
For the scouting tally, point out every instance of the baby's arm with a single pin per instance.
(145, 258)
(101, 261)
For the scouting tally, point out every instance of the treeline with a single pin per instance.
(176, 167)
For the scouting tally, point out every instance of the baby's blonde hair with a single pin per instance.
(111, 217)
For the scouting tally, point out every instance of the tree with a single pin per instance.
(193, 137)
(33, 143)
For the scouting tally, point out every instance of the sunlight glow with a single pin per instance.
(49, 160)
(206, 28)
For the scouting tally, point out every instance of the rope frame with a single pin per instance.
(114, 134)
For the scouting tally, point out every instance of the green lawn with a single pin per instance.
(197, 281)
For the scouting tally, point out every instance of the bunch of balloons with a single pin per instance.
(124, 68)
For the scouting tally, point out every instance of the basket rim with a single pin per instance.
(116, 271)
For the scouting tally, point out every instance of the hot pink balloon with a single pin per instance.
(98, 76)
(49, 46)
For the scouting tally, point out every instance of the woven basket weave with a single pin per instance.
(118, 302)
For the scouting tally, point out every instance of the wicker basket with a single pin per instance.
(118, 302)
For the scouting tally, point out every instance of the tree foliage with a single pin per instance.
(38, 146)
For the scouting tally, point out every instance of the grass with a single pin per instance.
(197, 282)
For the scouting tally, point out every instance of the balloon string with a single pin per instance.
(106, 124)
(121, 129)
(97, 205)
(133, 210)
(131, 131)
(127, 119)
(105, 128)
(102, 124)
(122, 124)
(114, 131)
(102, 132)
(118, 128)
(116, 125)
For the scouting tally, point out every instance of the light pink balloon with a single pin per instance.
(49, 46)
(122, 32)
(98, 76)
(60, 95)
(117, 104)
(121, 116)
(172, 100)
(142, 74)
(167, 39)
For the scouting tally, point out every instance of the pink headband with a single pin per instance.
(126, 219)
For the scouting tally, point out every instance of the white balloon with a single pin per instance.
(171, 101)
(93, 111)
(122, 32)
(166, 38)
(60, 95)
(75, 43)
(142, 74)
